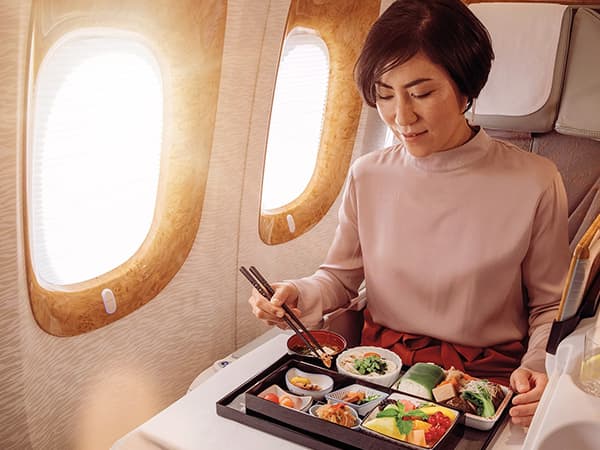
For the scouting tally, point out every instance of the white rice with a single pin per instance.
(411, 387)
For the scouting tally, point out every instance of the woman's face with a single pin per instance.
(421, 104)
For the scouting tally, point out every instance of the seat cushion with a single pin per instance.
(579, 112)
(530, 43)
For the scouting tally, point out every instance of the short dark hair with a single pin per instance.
(446, 31)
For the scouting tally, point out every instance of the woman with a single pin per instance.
(461, 239)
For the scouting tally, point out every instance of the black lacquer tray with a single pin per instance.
(244, 406)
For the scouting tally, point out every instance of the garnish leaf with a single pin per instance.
(390, 412)
(404, 426)
(417, 413)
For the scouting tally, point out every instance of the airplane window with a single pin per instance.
(296, 118)
(94, 157)
(120, 119)
(314, 116)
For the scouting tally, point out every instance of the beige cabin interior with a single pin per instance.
(73, 378)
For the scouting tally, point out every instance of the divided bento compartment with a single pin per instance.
(487, 423)
(307, 423)
(471, 420)
(453, 416)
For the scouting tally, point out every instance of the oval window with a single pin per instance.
(95, 156)
(296, 118)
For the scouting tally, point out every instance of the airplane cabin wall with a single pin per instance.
(86, 391)
(14, 314)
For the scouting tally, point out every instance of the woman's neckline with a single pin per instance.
(453, 159)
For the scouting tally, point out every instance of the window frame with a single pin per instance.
(188, 129)
(343, 26)
(83, 35)
(305, 34)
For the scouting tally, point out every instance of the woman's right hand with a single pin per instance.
(271, 311)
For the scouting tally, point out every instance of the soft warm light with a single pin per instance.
(296, 118)
(94, 156)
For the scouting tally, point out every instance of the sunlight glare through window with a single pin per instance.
(94, 156)
(296, 118)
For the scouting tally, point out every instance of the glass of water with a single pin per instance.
(590, 365)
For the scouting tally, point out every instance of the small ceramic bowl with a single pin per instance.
(345, 364)
(323, 382)
(363, 408)
(277, 395)
(352, 411)
(331, 342)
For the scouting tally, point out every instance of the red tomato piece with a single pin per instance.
(408, 405)
(271, 397)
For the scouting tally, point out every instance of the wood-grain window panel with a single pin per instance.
(187, 38)
(343, 26)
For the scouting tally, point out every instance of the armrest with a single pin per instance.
(347, 321)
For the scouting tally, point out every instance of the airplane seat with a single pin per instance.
(543, 95)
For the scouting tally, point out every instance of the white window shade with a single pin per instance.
(296, 118)
(94, 154)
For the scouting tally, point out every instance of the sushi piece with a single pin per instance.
(420, 379)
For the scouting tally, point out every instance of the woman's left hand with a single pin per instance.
(529, 386)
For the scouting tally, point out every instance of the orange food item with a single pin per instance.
(371, 354)
(337, 413)
(354, 397)
(271, 397)
(286, 401)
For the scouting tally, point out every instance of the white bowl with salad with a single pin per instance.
(375, 364)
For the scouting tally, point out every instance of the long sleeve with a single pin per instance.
(544, 269)
(338, 278)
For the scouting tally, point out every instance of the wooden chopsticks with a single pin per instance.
(264, 288)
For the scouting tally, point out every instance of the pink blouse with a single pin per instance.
(446, 244)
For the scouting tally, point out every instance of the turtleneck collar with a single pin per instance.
(453, 159)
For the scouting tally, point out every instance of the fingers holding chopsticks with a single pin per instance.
(271, 311)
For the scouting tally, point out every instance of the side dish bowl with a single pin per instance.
(372, 397)
(487, 423)
(277, 395)
(350, 411)
(312, 384)
(348, 361)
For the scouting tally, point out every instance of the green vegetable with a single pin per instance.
(398, 412)
(370, 364)
(367, 399)
(420, 379)
(476, 393)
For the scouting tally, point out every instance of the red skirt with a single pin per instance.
(491, 363)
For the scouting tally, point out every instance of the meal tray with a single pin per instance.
(244, 406)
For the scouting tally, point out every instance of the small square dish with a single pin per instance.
(362, 398)
(487, 423)
(413, 422)
(283, 398)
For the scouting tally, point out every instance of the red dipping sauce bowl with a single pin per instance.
(331, 342)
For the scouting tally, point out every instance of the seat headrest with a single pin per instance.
(579, 112)
(530, 42)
